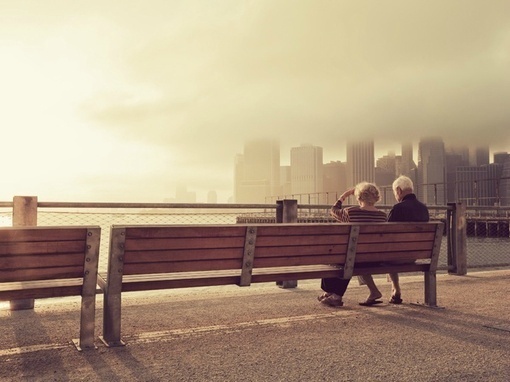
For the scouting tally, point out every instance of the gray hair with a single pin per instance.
(367, 192)
(404, 183)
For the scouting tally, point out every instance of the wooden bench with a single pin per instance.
(163, 257)
(44, 262)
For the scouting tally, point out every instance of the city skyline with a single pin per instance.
(129, 102)
(442, 173)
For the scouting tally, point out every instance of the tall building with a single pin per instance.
(360, 162)
(503, 184)
(257, 172)
(479, 156)
(407, 164)
(455, 157)
(335, 182)
(471, 185)
(431, 183)
(306, 172)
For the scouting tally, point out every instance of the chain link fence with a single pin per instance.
(488, 241)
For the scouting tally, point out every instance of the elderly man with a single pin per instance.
(408, 209)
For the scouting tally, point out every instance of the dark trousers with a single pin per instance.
(335, 285)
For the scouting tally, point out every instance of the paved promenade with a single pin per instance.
(264, 333)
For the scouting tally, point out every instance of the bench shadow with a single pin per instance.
(27, 326)
(460, 326)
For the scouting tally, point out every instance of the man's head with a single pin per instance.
(402, 186)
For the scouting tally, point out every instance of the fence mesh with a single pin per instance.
(488, 242)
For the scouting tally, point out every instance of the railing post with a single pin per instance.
(24, 213)
(286, 212)
(457, 259)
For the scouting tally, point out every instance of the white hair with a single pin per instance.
(404, 183)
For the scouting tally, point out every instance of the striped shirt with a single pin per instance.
(356, 214)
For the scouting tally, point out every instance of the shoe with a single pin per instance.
(332, 300)
(323, 296)
(369, 302)
(395, 299)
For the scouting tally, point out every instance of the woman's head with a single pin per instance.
(367, 193)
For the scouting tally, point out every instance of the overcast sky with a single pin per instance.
(123, 100)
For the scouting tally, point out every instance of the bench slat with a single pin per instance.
(394, 247)
(186, 243)
(37, 247)
(370, 228)
(34, 234)
(374, 257)
(41, 273)
(176, 231)
(397, 237)
(40, 261)
(181, 266)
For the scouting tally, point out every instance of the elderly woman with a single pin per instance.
(367, 194)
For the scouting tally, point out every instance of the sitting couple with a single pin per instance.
(408, 209)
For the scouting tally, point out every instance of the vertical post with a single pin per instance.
(24, 213)
(286, 212)
(458, 256)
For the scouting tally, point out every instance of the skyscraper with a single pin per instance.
(306, 171)
(360, 162)
(335, 181)
(479, 156)
(257, 172)
(431, 171)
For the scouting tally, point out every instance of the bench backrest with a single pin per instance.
(44, 253)
(250, 248)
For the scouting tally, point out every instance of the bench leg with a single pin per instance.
(87, 323)
(430, 289)
(111, 320)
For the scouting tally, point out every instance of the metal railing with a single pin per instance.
(483, 248)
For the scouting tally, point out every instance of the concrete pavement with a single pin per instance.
(264, 333)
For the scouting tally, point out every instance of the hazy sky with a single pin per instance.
(123, 100)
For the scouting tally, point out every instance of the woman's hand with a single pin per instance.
(346, 194)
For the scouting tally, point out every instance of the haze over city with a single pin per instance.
(126, 100)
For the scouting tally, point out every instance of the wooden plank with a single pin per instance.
(41, 273)
(34, 248)
(176, 231)
(183, 266)
(300, 250)
(181, 255)
(297, 260)
(302, 229)
(27, 234)
(396, 237)
(186, 243)
(390, 268)
(395, 247)
(374, 257)
(184, 283)
(393, 227)
(41, 261)
(40, 293)
(278, 241)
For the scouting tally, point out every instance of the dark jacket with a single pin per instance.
(409, 209)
